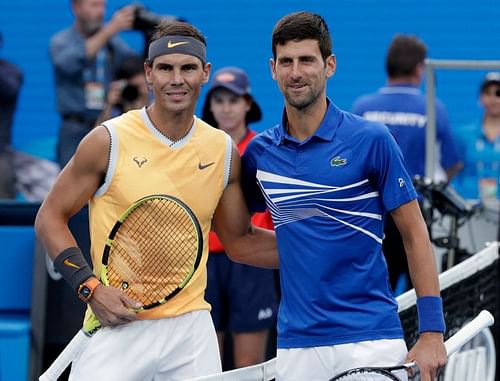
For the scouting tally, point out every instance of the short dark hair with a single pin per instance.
(130, 67)
(405, 53)
(177, 28)
(300, 26)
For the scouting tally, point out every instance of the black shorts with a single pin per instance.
(243, 298)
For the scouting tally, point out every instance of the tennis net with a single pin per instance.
(466, 289)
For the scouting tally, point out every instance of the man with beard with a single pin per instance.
(328, 177)
(85, 57)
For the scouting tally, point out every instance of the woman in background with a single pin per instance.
(243, 297)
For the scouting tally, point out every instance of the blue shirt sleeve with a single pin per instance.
(388, 170)
(67, 52)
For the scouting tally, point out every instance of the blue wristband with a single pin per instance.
(430, 314)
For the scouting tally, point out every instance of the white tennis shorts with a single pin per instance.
(322, 363)
(175, 348)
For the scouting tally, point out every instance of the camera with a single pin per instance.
(443, 198)
(146, 21)
(129, 93)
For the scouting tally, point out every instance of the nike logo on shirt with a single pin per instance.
(203, 166)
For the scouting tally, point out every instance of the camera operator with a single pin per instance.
(85, 57)
(128, 92)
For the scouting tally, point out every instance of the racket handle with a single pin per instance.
(483, 320)
(65, 358)
(468, 331)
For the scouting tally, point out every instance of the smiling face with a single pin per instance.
(176, 81)
(301, 72)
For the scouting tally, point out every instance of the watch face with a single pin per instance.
(85, 292)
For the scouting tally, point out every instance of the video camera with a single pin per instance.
(146, 22)
(443, 198)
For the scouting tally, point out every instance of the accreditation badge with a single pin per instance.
(94, 95)
(488, 187)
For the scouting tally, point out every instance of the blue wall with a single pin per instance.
(240, 35)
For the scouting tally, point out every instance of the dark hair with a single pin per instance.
(177, 28)
(405, 53)
(302, 26)
(130, 67)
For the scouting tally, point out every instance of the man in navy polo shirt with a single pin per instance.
(328, 177)
(401, 106)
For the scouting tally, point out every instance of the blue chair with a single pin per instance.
(16, 264)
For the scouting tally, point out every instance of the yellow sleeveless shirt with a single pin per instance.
(144, 162)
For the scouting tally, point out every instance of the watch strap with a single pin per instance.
(91, 283)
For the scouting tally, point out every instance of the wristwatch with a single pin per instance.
(86, 289)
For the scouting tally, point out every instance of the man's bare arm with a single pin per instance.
(243, 242)
(74, 186)
(429, 352)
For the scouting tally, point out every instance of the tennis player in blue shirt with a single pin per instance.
(328, 176)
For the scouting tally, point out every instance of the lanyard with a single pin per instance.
(96, 73)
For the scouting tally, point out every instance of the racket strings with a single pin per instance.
(153, 251)
(366, 374)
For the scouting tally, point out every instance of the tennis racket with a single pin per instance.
(483, 320)
(151, 253)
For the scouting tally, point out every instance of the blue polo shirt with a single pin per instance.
(403, 109)
(327, 196)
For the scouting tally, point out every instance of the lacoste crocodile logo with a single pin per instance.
(337, 161)
(203, 166)
(139, 160)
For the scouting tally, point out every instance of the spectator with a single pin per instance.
(243, 298)
(11, 79)
(128, 92)
(402, 107)
(84, 57)
(479, 144)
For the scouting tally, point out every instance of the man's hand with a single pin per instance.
(123, 19)
(115, 92)
(430, 355)
(113, 307)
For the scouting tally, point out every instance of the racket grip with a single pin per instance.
(65, 358)
(471, 329)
